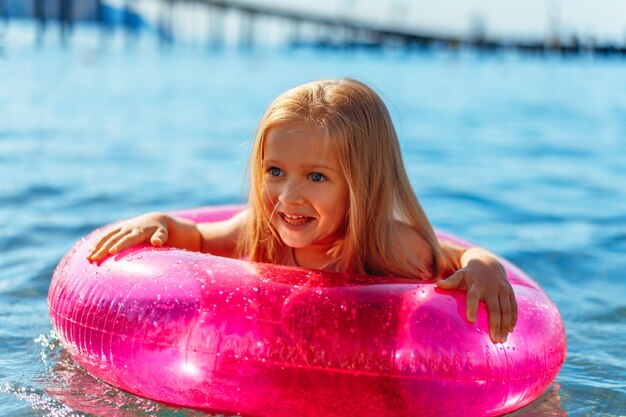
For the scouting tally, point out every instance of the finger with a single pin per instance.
(495, 318)
(453, 281)
(473, 297)
(506, 314)
(101, 240)
(159, 237)
(105, 247)
(513, 302)
(131, 238)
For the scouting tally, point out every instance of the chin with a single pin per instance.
(295, 243)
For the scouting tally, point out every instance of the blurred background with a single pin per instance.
(512, 121)
(568, 27)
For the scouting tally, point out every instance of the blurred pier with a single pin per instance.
(171, 18)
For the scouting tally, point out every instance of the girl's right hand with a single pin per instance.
(151, 227)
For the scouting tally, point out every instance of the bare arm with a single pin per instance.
(219, 238)
(222, 238)
(478, 272)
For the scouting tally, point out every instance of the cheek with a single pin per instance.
(269, 199)
(341, 206)
(335, 202)
(269, 192)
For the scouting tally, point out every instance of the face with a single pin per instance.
(306, 196)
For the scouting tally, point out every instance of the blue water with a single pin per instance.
(524, 156)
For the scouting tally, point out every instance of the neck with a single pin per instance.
(314, 258)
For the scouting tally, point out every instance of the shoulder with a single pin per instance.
(408, 238)
(445, 255)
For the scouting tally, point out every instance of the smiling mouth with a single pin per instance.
(295, 220)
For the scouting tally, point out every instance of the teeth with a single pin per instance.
(291, 217)
(295, 219)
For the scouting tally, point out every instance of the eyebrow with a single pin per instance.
(310, 166)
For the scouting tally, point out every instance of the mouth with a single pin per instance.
(295, 219)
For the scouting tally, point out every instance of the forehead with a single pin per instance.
(284, 133)
(298, 142)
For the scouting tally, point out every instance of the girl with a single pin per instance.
(329, 191)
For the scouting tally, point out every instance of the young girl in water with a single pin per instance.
(329, 191)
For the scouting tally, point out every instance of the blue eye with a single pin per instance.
(317, 177)
(274, 172)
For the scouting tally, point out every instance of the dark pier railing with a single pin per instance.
(329, 31)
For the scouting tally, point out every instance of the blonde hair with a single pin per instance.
(357, 128)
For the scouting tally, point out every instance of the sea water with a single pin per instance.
(525, 156)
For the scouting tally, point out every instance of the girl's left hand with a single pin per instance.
(484, 279)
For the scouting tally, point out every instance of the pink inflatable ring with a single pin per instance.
(226, 335)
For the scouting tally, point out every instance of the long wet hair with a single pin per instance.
(356, 126)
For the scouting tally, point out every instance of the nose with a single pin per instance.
(292, 193)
